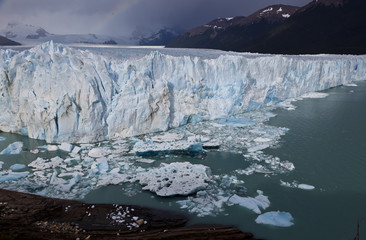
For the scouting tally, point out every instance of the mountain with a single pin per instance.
(29, 34)
(160, 38)
(5, 41)
(323, 26)
(232, 33)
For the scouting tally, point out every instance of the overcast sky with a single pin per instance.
(122, 17)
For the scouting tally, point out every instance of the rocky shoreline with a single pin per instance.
(27, 216)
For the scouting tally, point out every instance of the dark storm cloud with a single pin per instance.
(124, 16)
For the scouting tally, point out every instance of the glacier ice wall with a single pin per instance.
(59, 94)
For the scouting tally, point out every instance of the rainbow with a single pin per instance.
(122, 7)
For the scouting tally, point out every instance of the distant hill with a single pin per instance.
(29, 34)
(5, 42)
(232, 33)
(160, 38)
(322, 26)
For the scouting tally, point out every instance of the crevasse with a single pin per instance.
(63, 94)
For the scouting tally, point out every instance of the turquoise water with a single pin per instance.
(326, 143)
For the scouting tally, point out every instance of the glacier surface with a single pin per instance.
(64, 94)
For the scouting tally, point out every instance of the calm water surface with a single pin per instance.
(326, 143)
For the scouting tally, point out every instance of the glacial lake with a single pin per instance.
(327, 145)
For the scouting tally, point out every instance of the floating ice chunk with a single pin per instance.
(67, 147)
(288, 165)
(76, 150)
(34, 151)
(145, 160)
(64, 185)
(258, 147)
(254, 204)
(306, 186)
(12, 176)
(236, 122)
(261, 139)
(2, 138)
(17, 166)
(279, 219)
(167, 137)
(294, 184)
(98, 152)
(149, 148)
(14, 148)
(178, 178)
(315, 95)
(52, 148)
(350, 85)
(41, 164)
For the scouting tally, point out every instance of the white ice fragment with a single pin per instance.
(14, 148)
(145, 160)
(236, 122)
(279, 219)
(254, 204)
(67, 147)
(306, 186)
(17, 166)
(41, 164)
(315, 95)
(2, 138)
(261, 139)
(178, 178)
(12, 176)
(350, 85)
(34, 151)
(51, 148)
(258, 147)
(76, 150)
(98, 152)
(182, 147)
(167, 137)
(295, 184)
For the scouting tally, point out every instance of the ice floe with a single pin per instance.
(17, 166)
(315, 95)
(295, 184)
(14, 148)
(67, 147)
(179, 178)
(256, 204)
(12, 176)
(279, 219)
(2, 138)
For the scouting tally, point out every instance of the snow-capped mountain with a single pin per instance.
(29, 34)
(220, 31)
(160, 38)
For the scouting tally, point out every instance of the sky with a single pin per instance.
(124, 17)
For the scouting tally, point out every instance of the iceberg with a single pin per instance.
(14, 148)
(279, 219)
(64, 94)
(178, 178)
(17, 166)
(254, 204)
(12, 176)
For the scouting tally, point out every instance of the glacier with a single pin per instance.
(63, 94)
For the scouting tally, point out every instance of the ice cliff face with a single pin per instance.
(62, 94)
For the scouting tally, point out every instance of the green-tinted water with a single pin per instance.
(326, 143)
